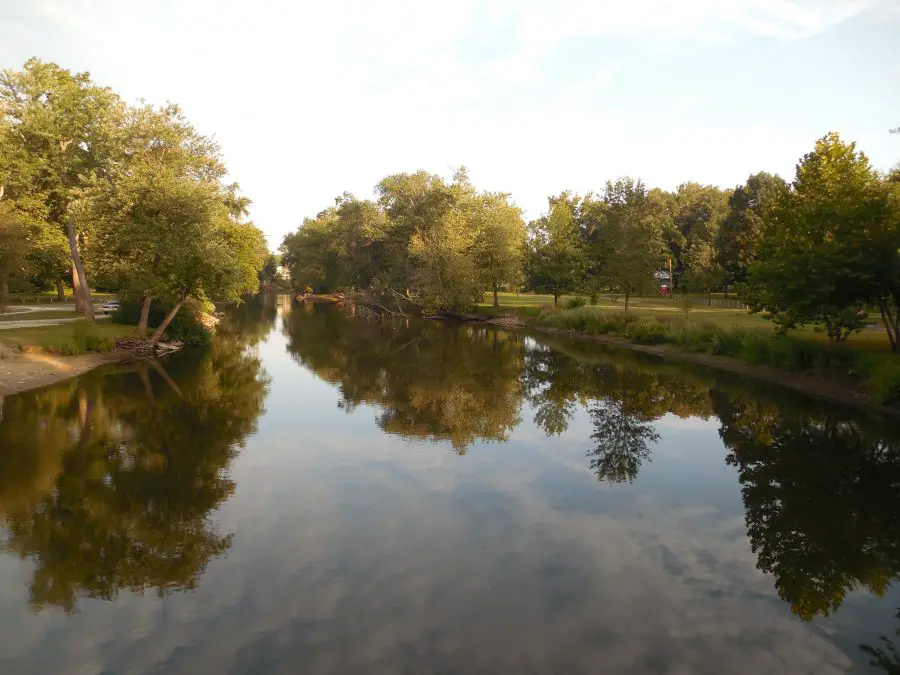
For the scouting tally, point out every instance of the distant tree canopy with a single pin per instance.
(822, 250)
(440, 244)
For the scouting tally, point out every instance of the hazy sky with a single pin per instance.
(534, 96)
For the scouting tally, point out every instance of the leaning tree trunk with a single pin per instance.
(60, 290)
(165, 324)
(76, 292)
(78, 275)
(145, 315)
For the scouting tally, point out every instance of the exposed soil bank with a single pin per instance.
(21, 371)
(844, 391)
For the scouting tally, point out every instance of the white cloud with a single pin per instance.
(311, 99)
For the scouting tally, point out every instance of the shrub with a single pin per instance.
(883, 374)
(184, 327)
(575, 303)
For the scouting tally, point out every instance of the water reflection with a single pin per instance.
(797, 461)
(822, 499)
(460, 385)
(349, 549)
(107, 482)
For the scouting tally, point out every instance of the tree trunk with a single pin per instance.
(60, 290)
(165, 324)
(891, 323)
(145, 315)
(4, 294)
(496, 302)
(709, 297)
(78, 275)
(555, 298)
(627, 295)
(76, 292)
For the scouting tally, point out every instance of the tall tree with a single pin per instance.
(824, 246)
(499, 243)
(698, 214)
(556, 258)
(58, 130)
(630, 246)
(740, 235)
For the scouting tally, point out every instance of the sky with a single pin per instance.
(312, 99)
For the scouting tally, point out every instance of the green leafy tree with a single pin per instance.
(740, 234)
(58, 130)
(499, 243)
(556, 260)
(14, 248)
(821, 249)
(165, 224)
(698, 214)
(630, 246)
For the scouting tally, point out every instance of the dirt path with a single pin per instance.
(22, 371)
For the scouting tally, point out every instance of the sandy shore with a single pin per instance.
(20, 371)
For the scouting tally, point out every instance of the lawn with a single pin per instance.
(64, 336)
(648, 307)
(49, 297)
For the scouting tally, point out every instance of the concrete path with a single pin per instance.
(29, 323)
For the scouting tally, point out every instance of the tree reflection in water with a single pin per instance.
(108, 481)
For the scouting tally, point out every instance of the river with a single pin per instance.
(319, 493)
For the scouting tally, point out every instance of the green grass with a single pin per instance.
(796, 353)
(659, 308)
(36, 315)
(76, 337)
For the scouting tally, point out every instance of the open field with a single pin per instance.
(724, 319)
(49, 297)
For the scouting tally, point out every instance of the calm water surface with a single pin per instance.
(321, 494)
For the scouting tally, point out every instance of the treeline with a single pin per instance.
(824, 249)
(127, 198)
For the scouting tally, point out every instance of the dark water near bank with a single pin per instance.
(319, 494)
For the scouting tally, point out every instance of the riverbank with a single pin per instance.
(860, 378)
(21, 371)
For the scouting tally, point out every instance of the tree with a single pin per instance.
(630, 246)
(14, 248)
(556, 259)
(58, 131)
(824, 245)
(740, 234)
(499, 243)
(165, 224)
(698, 214)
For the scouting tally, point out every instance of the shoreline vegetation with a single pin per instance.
(809, 269)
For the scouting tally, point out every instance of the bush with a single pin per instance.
(883, 374)
(575, 303)
(184, 327)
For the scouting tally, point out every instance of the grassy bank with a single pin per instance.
(77, 337)
(877, 370)
(864, 360)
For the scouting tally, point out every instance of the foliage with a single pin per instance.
(437, 244)
(556, 261)
(740, 234)
(185, 327)
(630, 245)
(816, 258)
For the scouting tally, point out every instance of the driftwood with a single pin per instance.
(145, 349)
